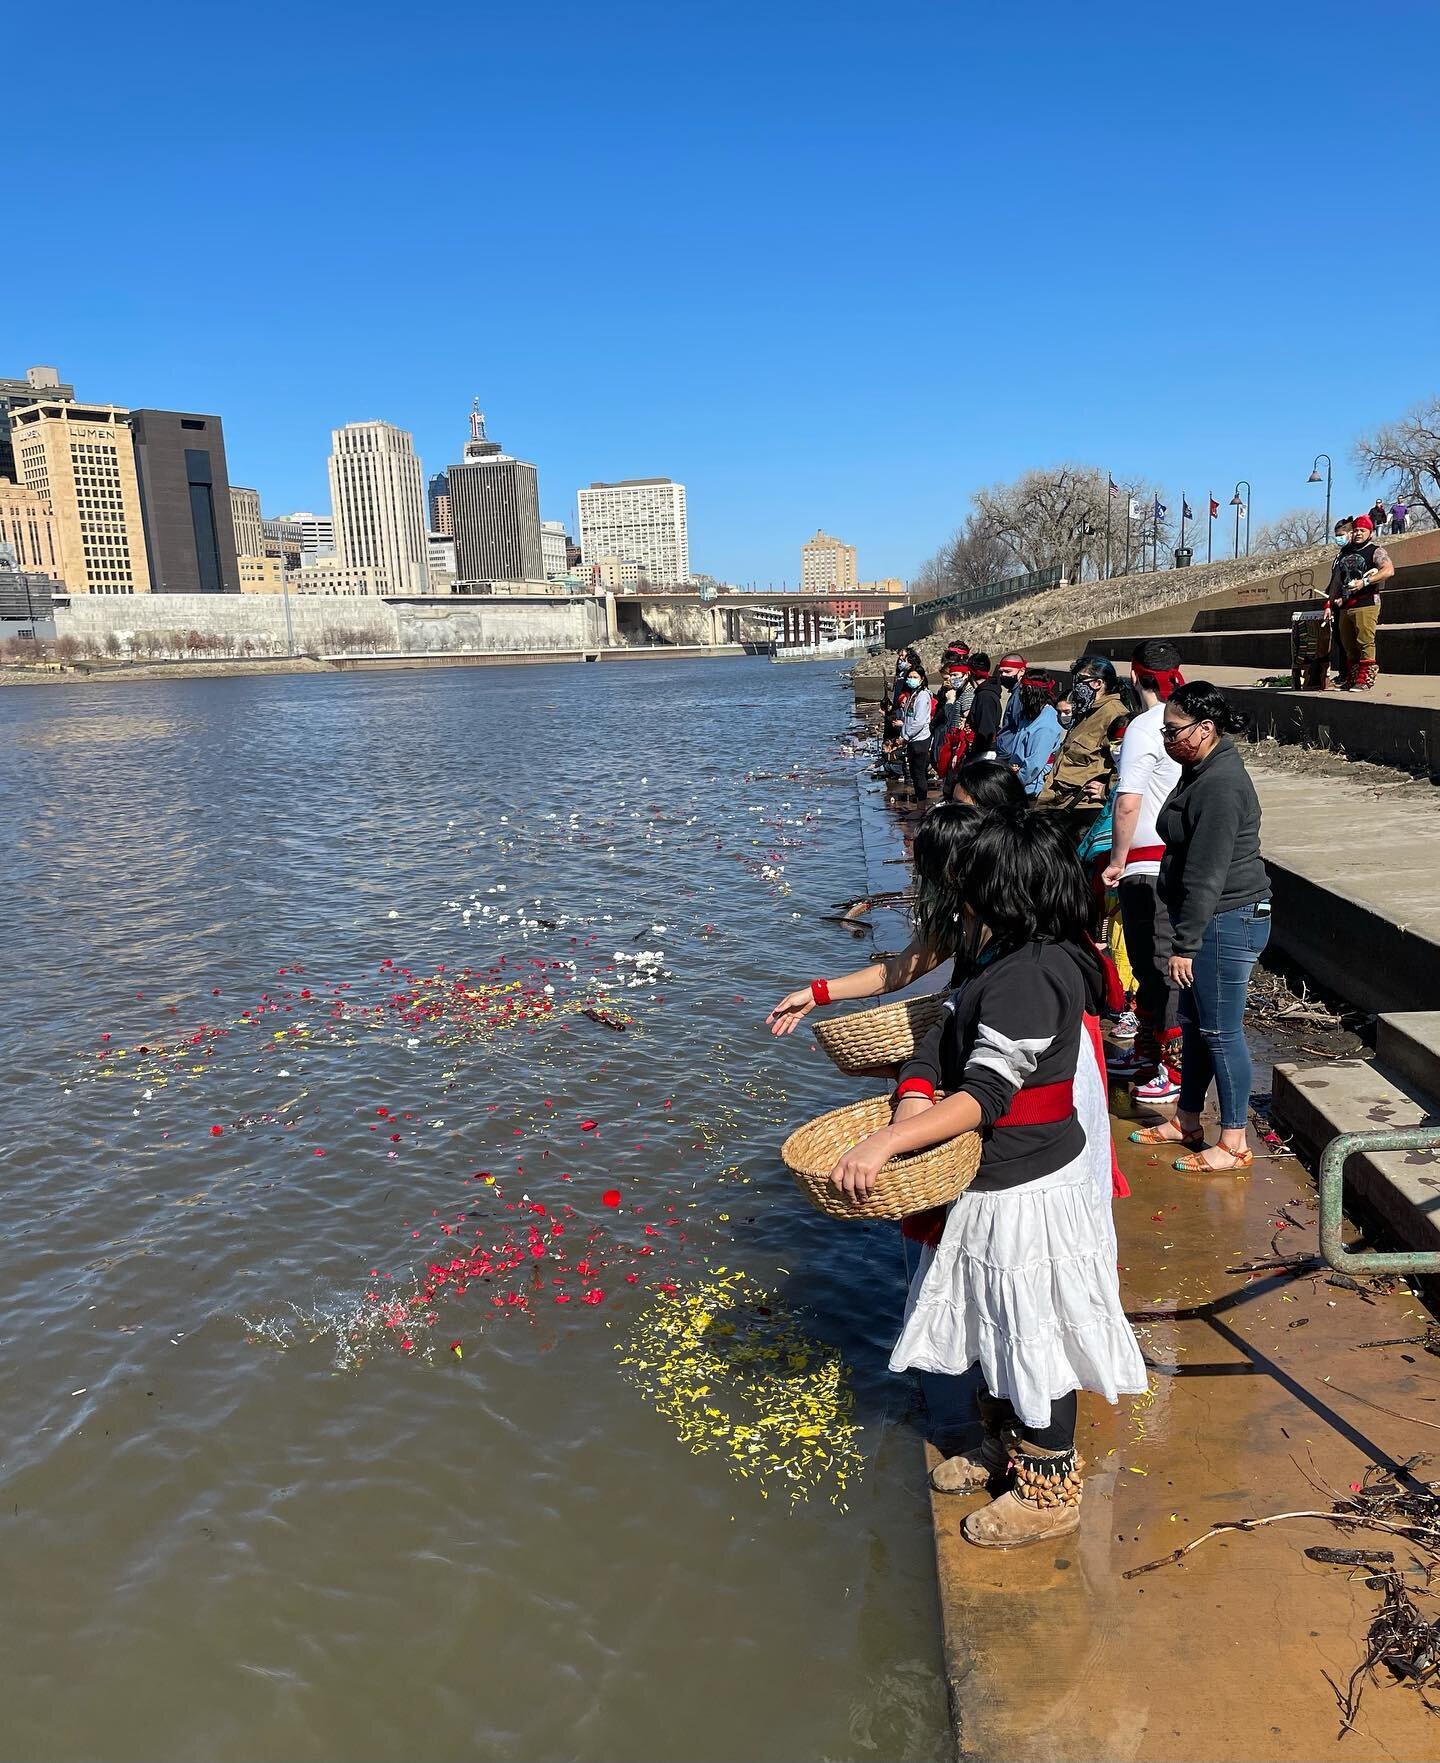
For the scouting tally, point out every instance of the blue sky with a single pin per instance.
(830, 265)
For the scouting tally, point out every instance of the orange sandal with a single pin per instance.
(1156, 1135)
(1196, 1164)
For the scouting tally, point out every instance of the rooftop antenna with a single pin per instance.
(477, 421)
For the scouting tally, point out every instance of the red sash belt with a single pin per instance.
(1041, 1105)
(1145, 854)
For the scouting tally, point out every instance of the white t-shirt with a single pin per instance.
(1146, 771)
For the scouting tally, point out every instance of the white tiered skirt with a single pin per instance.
(1024, 1283)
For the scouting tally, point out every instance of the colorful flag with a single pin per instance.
(1159, 509)
(1214, 508)
(1114, 487)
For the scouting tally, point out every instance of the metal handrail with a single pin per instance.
(1332, 1202)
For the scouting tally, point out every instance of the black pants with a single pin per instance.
(1058, 1436)
(918, 755)
(1149, 940)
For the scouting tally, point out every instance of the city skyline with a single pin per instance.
(984, 320)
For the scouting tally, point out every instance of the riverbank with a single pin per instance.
(1053, 1653)
(86, 673)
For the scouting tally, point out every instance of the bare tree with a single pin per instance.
(1068, 515)
(1407, 454)
(976, 557)
(1292, 531)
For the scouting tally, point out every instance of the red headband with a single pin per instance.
(1163, 681)
(1013, 661)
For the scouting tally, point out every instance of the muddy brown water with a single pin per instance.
(255, 1503)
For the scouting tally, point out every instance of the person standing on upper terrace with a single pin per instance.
(1215, 887)
(1354, 596)
(1379, 514)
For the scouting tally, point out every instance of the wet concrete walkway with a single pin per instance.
(1052, 1654)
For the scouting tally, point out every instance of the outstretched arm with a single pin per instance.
(890, 974)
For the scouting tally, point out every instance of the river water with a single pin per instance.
(412, 1345)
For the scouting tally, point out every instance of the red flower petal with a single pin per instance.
(611, 1197)
(585, 1125)
(216, 1131)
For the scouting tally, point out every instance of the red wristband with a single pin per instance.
(820, 990)
(916, 1086)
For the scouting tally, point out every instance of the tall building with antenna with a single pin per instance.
(494, 513)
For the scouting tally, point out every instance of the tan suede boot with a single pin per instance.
(1044, 1502)
(969, 1470)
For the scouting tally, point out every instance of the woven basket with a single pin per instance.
(904, 1185)
(878, 1040)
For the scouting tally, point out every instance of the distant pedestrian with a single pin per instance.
(1354, 598)
(1215, 887)
(1379, 514)
(1399, 517)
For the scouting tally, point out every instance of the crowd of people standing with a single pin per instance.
(1098, 848)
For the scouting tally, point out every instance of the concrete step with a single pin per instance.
(1413, 648)
(1315, 1103)
(1398, 723)
(1407, 1046)
(1397, 606)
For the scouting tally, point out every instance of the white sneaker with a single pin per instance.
(1127, 1026)
(1160, 1088)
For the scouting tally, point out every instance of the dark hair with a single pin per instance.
(1155, 655)
(1035, 694)
(1100, 667)
(981, 660)
(1017, 874)
(917, 667)
(1117, 728)
(1202, 702)
(989, 785)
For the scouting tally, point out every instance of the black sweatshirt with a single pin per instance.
(1015, 1024)
(986, 711)
(1211, 828)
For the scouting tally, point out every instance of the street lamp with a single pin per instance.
(1314, 478)
(1237, 504)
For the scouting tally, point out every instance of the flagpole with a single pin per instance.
(1183, 505)
(1109, 502)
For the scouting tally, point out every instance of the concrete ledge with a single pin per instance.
(1350, 946)
(1408, 1044)
(1362, 725)
(1401, 1188)
(1399, 648)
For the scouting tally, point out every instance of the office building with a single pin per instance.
(27, 599)
(639, 518)
(246, 520)
(38, 383)
(27, 526)
(438, 497)
(494, 513)
(317, 533)
(827, 566)
(285, 540)
(331, 575)
(80, 458)
(185, 502)
(554, 550)
(260, 575)
(377, 497)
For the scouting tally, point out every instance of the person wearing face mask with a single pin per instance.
(915, 732)
(1354, 596)
(1215, 887)
(1037, 735)
(1082, 772)
(1011, 672)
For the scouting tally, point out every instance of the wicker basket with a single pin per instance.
(904, 1185)
(878, 1040)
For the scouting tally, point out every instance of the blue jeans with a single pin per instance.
(1212, 1013)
